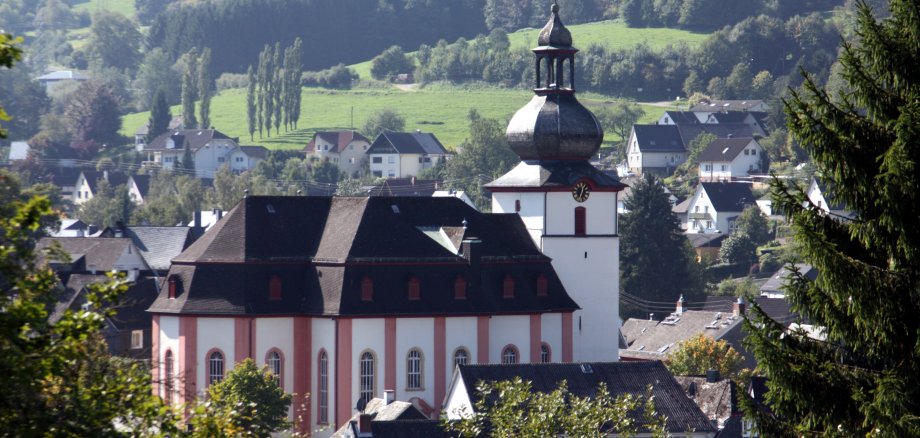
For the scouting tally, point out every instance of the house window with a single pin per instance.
(708, 225)
(391, 159)
(168, 371)
(215, 367)
(377, 174)
(239, 159)
(391, 173)
(461, 356)
(747, 152)
(508, 287)
(419, 159)
(517, 205)
(545, 354)
(173, 286)
(580, 221)
(137, 339)
(274, 288)
(510, 355)
(753, 151)
(376, 160)
(414, 287)
(696, 209)
(79, 194)
(707, 167)
(366, 382)
(460, 288)
(221, 159)
(724, 167)
(541, 285)
(414, 370)
(274, 362)
(323, 387)
(367, 289)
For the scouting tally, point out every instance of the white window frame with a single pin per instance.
(510, 355)
(367, 375)
(323, 388)
(137, 339)
(414, 365)
(215, 367)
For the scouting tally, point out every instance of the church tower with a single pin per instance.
(568, 205)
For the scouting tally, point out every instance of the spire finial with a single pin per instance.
(555, 7)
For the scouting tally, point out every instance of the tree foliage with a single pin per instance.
(9, 53)
(114, 41)
(514, 409)
(93, 117)
(864, 378)
(391, 62)
(737, 248)
(160, 116)
(204, 89)
(248, 401)
(483, 156)
(701, 353)
(753, 222)
(383, 120)
(656, 261)
(108, 206)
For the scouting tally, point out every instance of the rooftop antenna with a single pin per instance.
(246, 193)
(464, 223)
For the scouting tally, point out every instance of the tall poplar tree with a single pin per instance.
(160, 116)
(204, 88)
(188, 100)
(656, 262)
(296, 69)
(863, 379)
(277, 85)
(266, 83)
(251, 102)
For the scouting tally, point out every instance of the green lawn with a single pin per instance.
(614, 34)
(124, 7)
(441, 109)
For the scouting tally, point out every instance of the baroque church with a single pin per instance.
(345, 298)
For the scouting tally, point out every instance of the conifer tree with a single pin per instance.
(656, 262)
(204, 88)
(160, 116)
(863, 379)
(251, 102)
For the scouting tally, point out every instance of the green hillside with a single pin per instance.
(612, 34)
(439, 109)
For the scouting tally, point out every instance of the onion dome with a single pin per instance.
(554, 125)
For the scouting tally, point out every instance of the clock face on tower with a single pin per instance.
(581, 191)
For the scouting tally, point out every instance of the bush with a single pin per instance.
(338, 77)
(228, 81)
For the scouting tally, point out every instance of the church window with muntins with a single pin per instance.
(168, 371)
(215, 367)
(545, 353)
(275, 363)
(414, 370)
(510, 355)
(366, 376)
(461, 356)
(323, 387)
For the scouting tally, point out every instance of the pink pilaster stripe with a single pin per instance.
(155, 361)
(241, 339)
(188, 357)
(536, 337)
(389, 352)
(440, 361)
(344, 398)
(302, 372)
(482, 339)
(567, 338)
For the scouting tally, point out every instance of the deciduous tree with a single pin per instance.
(701, 353)
(864, 378)
(383, 120)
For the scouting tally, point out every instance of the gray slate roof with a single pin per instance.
(665, 335)
(775, 284)
(728, 196)
(727, 105)
(724, 149)
(683, 117)
(254, 151)
(115, 179)
(423, 143)
(101, 252)
(659, 138)
(159, 245)
(583, 380)
(193, 138)
(322, 249)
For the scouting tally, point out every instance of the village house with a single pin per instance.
(56, 78)
(210, 149)
(822, 196)
(345, 149)
(87, 185)
(660, 148)
(726, 159)
(714, 206)
(404, 154)
(714, 106)
(140, 135)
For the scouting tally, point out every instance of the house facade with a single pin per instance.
(345, 149)
(404, 154)
(726, 159)
(714, 206)
(210, 149)
(655, 148)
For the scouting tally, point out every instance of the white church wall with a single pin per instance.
(368, 334)
(460, 332)
(213, 333)
(277, 333)
(551, 327)
(600, 209)
(531, 212)
(415, 333)
(580, 264)
(509, 329)
(169, 340)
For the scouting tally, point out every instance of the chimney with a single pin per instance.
(413, 180)
(92, 268)
(389, 396)
(364, 423)
(680, 305)
(651, 316)
(197, 223)
(119, 229)
(738, 307)
(731, 135)
(472, 248)
(712, 376)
